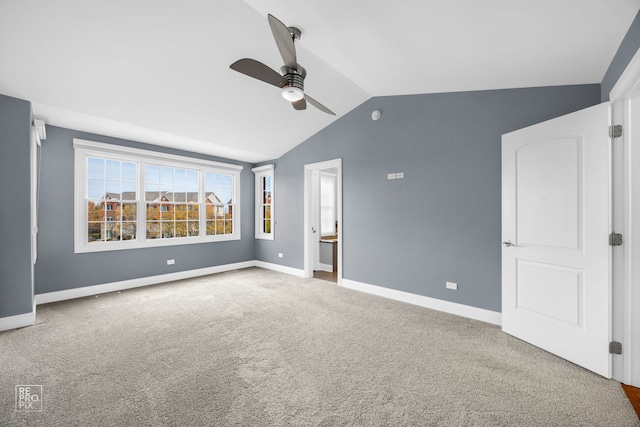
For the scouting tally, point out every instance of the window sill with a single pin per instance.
(155, 243)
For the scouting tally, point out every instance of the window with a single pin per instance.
(264, 202)
(172, 208)
(218, 189)
(328, 204)
(131, 198)
(108, 183)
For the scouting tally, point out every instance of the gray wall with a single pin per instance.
(15, 218)
(59, 268)
(627, 49)
(442, 221)
(326, 253)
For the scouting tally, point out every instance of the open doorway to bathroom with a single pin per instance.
(323, 211)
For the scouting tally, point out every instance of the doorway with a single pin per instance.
(323, 238)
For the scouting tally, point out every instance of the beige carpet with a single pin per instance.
(259, 348)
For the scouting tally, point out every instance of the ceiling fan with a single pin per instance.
(291, 76)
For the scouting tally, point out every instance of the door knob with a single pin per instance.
(508, 243)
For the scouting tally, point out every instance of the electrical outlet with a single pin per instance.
(171, 261)
(391, 176)
(451, 285)
(399, 175)
(280, 255)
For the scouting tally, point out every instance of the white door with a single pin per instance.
(555, 225)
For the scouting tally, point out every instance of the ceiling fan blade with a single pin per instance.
(258, 70)
(300, 105)
(284, 41)
(318, 105)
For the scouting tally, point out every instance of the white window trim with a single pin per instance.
(261, 172)
(84, 149)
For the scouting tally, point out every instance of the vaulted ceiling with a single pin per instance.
(158, 71)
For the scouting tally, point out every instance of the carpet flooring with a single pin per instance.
(258, 348)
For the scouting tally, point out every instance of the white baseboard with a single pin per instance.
(280, 268)
(432, 303)
(326, 267)
(17, 321)
(136, 283)
(28, 319)
(152, 280)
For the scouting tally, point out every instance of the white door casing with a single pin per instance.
(625, 100)
(556, 291)
(314, 216)
(631, 340)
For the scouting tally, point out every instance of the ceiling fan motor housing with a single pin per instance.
(294, 78)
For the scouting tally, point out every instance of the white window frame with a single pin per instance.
(260, 173)
(84, 149)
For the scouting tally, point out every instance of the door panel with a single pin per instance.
(549, 218)
(555, 215)
(536, 281)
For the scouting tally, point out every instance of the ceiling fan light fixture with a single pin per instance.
(292, 93)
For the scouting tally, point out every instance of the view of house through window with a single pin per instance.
(131, 199)
(218, 190)
(171, 202)
(171, 195)
(111, 208)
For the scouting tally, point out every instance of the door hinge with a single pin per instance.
(615, 131)
(615, 347)
(615, 239)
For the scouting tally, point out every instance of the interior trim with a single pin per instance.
(86, 291)
(419, 300)
(18, 321)
(280, 268)
(468, 311)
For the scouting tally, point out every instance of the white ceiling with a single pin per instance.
(158, 70)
